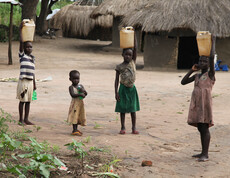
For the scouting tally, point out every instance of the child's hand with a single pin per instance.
(195, 67)
(23, 93)
(82, 95)
(117, 97)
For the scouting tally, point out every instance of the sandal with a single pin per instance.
(135, 132)
(122, 132)
(77, 133)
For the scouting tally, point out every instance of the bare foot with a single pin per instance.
(28, 123)
(135, 132)
(203, 159)
(21, 123)
(197, 155)
(122, 132)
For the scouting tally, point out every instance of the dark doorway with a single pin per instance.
(187, 52)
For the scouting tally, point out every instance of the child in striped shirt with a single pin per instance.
(26, 82)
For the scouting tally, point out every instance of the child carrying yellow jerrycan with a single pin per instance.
(200, 110)
(26, 83)
(125, 91)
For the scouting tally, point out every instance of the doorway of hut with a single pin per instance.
(187, 52)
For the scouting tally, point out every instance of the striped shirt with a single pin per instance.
(27, 66)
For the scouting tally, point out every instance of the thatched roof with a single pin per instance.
(75, 20)
(197, 15)
(115, 7)
(88, 2)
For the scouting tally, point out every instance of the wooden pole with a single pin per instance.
(10, 62)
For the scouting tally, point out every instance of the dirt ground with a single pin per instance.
(165, 138)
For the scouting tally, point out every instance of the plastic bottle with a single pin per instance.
(79, 91)
(204, 43)
(127, 37)
(34, 96)
(28, 30)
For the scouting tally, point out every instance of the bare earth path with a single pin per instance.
(165, 138)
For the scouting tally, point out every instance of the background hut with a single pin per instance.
(117, 8)
(171, 27)
(74, 21)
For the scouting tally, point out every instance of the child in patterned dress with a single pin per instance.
(200, 110)
(76, 114)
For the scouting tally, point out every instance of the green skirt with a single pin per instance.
(129, 101)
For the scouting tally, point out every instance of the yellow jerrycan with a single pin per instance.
(204, 43)
(28, 30)
(127, 37)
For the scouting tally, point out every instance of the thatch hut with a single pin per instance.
(171, 27)
(74, 21)
(116, 8)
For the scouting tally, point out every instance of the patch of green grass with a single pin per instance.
(179, 112)
(215, 95)
(55, 148)
(77, 147)
(20, 135)
(113, 163)
(87, 139)
(4, 119)
(97, 126)
(37, 128)
(93, 148)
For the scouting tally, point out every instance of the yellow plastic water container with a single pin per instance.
(28, 30)
(204, 43)
(127, 37)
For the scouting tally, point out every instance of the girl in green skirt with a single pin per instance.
(127, 97)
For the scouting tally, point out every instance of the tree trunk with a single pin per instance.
(42, 24)
(29, 9)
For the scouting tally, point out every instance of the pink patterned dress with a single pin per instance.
(200, 110)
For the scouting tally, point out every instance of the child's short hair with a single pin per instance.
(125, 49)
(73, 72)
(26, 42)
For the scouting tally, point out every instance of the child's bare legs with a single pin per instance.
(27, 110)
(75, 127)
(133, 117)
(122, 116)
(20, 108)
(205, 140)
